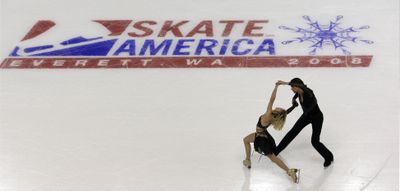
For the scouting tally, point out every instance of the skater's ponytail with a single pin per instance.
(278, 118)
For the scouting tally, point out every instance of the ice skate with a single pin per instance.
(247, 163)
(294, 174)
(327, 163)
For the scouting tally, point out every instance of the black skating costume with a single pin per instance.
(311, 115)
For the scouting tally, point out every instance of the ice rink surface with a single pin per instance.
(182, 129)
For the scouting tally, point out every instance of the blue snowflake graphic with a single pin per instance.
(326, 35)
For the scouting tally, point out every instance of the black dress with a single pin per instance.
(264, 143)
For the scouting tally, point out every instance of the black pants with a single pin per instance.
(316, 122)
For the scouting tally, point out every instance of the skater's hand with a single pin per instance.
(280, 82)
(294, 103)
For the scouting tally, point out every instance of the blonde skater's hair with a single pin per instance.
(278, 118)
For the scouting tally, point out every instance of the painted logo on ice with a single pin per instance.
(178, 44)
(332, 34)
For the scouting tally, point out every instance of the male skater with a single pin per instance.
(311, 114)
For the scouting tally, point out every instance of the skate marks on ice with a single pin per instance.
(316, 184)
(265, 176)
(247, 175)
(365, 172)
(357, 175)
(253, 182)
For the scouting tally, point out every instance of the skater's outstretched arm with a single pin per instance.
(272, 99)
(306, 92)
(294, 105)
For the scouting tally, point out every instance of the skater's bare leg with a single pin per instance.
(247, 140)
(291, 172)
(278, 162)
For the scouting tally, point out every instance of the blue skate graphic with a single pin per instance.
(77, 46)
(326, 35)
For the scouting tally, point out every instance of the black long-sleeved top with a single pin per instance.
(309, 104)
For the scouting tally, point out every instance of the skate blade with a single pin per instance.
(298, 176)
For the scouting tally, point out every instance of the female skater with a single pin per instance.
(264, 143)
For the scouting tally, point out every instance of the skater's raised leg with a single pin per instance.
(298, 126)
